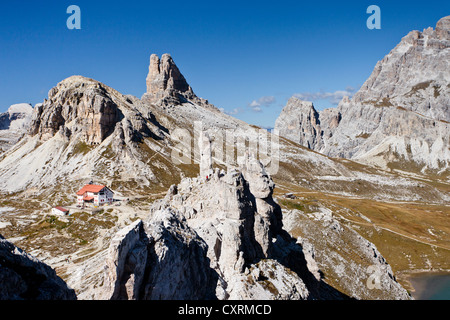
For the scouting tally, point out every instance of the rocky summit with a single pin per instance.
(399, 115)
(219, 238)
(14, 124)
(164, 78)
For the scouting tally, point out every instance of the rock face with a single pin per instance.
(167, 86)
(399, 115)
(165, 261)
(87, 104)
(333, 245)
(215, 239)
(23, 277)
(82, 127)
(83, 106)
(164, 77)
(14, 124)
(165, 83)
(299, 122)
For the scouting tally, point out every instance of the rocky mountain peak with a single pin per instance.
(16, 117)
(400, 114)
(420, 57)
(296, 103)
(165, 81)
(167, 86)
(81, 101)
(443, 28)
(299, 122)
(14, 124)
(81, 121)
(90, 109)
(164, 75)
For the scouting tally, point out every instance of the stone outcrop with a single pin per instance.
(224, 238)
(165, 83)
(167, 86)
(204, 144)
(215, 239)
(87, 103)
(23, 277)
(268, 217)
(300, 123)
(399, 116)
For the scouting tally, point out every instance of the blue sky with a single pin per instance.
(247, 57)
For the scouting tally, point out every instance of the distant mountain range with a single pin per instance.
(400, 117)
(14, 124)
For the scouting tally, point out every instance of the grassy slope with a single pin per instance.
(411, 236)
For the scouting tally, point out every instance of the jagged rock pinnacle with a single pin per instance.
(164, 80)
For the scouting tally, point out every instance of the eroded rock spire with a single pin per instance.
(165, 81)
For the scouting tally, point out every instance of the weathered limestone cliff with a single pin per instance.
(164, 77)
(220, 238)
(14, 124)
(77, 104)
(300, 123)
(167, 86)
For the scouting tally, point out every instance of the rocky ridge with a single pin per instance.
(218, 241)
(83, 129)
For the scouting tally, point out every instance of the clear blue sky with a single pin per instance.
(247, 57)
